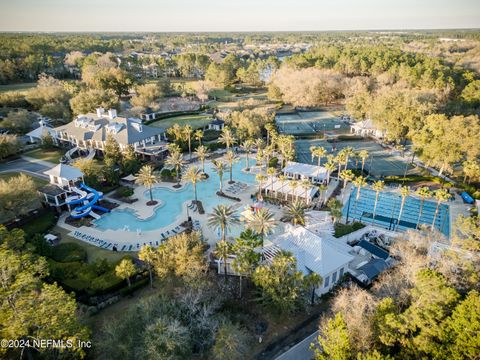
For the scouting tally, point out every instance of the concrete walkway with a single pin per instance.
(300, 351)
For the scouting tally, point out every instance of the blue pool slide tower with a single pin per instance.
(86, 198)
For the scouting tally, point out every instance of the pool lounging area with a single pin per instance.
(388, 209)
(173, 202)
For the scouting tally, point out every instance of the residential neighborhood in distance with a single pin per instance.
(231, 181)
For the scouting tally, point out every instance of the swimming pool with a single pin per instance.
(388, 209)
(173, 201)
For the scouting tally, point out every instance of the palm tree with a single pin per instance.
(175, 159)
(441, 195)
(313, 150)
(320, 153)
(147, 178)
(322, 188)
(270, 128)
(219, 167)
(347, 151)
(223, 249)
(340, 160)
(147, 254)
(187, 132)
(306, 185)
(330, 167)
(271, 173)
(295, 213)
(335, 207)
(231, 158)
(125, 270)
(363, 154)
(247, 146)
(261, 222)
(293, 184)
(359, 182)
(404, 191)
(260, 179)
(346, 175)
(198, 135)
(378, 186)
(313, 280)
(283, 179)
(227, 137)
(259, 143)
(202, 152)
(424, 193)
(193, 175)
(222, 217)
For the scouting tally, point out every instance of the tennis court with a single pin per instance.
(388, 211)
(381, 162)
(310, 122)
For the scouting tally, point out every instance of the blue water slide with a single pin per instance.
(92, 197)
(101, 208)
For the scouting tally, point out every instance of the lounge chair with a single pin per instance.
(130, 247)
(123, 247)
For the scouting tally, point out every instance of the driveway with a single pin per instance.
(29, 166)
(300, 351)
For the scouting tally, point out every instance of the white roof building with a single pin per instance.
(64, 175)
(277, 187)
(301, 171)
(367, 128)
(318, 253)
(41, 131)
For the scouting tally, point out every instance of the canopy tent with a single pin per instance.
(295, 170)
(130, 178)
(284, 188)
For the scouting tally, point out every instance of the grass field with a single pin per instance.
(52, 155)
(17, 87)
(93, 252)
(195, 121)
(37, 181)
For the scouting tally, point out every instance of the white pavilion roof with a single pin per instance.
(306, 170)
(321, 254)
(65, 172)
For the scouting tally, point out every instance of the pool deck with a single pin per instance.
(132, 240)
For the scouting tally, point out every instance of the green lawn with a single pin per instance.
(93, 252)
(37, 181)
(17, 87)
(52, 155)
(195, 121)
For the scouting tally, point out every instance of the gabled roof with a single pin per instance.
(127, 130)
(217, 122)
(321, 254)
(373, 268)
(65, 172)
(41, 131)
(374, 249)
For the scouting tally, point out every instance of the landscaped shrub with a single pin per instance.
(124, 191)
(40, 225)
(68, 252)
(273, 162)
(344, 229)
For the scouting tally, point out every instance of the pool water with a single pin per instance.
(388, 209)
(174, 201)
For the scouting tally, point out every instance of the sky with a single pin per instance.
(236, 15)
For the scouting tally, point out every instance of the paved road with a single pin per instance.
(30, 166)
(300, 351)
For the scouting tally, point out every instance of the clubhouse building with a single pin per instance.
(91, 131)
